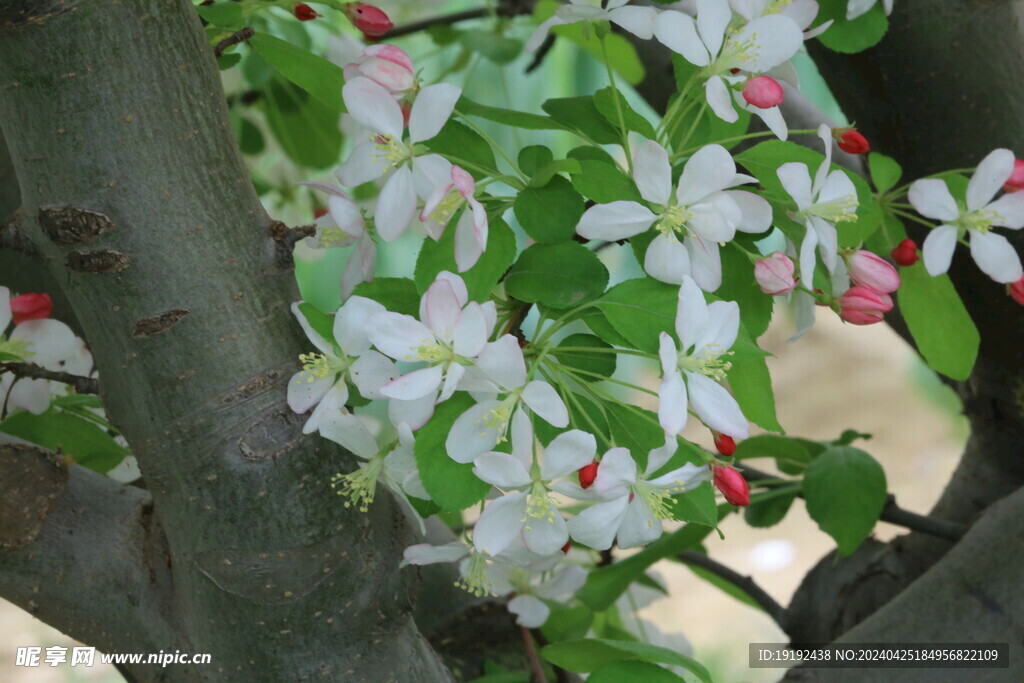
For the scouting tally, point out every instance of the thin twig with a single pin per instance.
(509, 8)
(894, 514)
(776, 611)
(82, 385)
(289, 237)
(531, 652)
(239, 36)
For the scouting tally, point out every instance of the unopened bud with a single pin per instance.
(386, 65)
(1016, 290)
(304, 12)
(30, 307)
(874, 272)
(587, 474)
(1015, 182)
(733, 486)
(774, 274)
(763, 92)
(863, 306)
(565, 548)
(905, 253)
(850, 141)
(371, 20)
(725, 444)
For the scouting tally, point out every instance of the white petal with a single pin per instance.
(616, 473)
(652, 172)
(530, 612)
(398, 336)
(51, 341)
(350, 324)
(471, 435)
(303, 394)
(452, 376)
(522, 438)
(567, 453)
(937, 250)
(596, 526)
(705, 263)
(502, 361)
(717, 94)
(370, 372)
(332, 402)
(442, 309)
(716, 407)
(637, 20)
(931, 198)
(545, 535)
(359, 267)
(692, 316)
(429, 171)
(615, 221)
(501, 469)
(349, 431)
(543, 400)
(687, 477)
(709, 170)
(500, 522)
(541, 33)
(996, 257)
(32, 395)
(425, 553)
(666, 259)
(373, 106)
(855, 8)
(413, 413)
(993, 171)
(362, 165)
(565, 582)
(672, 404)
(431, 110)
(1008, 210)
(775, 39)
(757, 212)
(796, 180)
(346, 215)
(715, 219)
(414, 385)
(720, 332)
(828, 242)
(678, 32)
(713, 17)
(319, 341)
(772, 118)
(470, 236)
(470, 337)
(639, 527)
(396, 205)
(808, 256)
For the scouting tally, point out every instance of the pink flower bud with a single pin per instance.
(371, 20)
(587, 474)
(304, 12)
(774, 274)
(1016, 180)
(1016, 290)
(872, 271)
(905, 253)
(386, 65)
(850, 141)
(863, 306)
(725, 444)
(763, 92)
(30, 307)
(733, 486)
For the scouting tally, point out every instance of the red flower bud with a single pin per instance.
(304, 12)
(905, 253)
(764, 92)
(30, 307)
(863, 306)
(733, 486)
(850, 141)
(587, 474)
(725, 444)
(871, 271)
(372, 21)
(1016, 180)
(320, 213)
(1016, 290)
(565, 548)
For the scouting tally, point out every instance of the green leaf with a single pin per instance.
(845, 491)
(306, 128)
(56, 430)
(599, 325)
(938, 321)
(769, 510)
(633, 670)
(533, 158)
(322, 323)
(885, 172)
(751, 385)
(791, 454)
(604, 183)
(739, 285)
(507, 117)
(397, 294)
(228, 60)
(598, 363)
(604, 100)
(549, 214)
(250, 137)
(851, 36)
(582, 656)
(494, 46)
(452, 485)
(622, 56)
(317, 76)
(557, 275)
(567, 623)
(697, 506)
(222, 14)
(636, 429)
(708, 128)
(464, 146)
(480, 279)
(640, 310)
(544, 174)
(580, 113)
(583, 414)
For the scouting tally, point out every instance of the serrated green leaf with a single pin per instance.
(557, 275)
(885, 172)
(63, 432)
(451, 485)
(604, 183)
(791, 454)
(437, 256)
(739, 285)
(306, 128)
(768, 511)
(751, 385)
(321, 322)
(697, 506)
(580, 113)
(397, 294)
(604, 100)
(851, 36)
(314, 74)
(600, 364)
(222, 14)
(845, 491)
(640, 310)
(508, 117)
(463, 146)
(567, 623)
(549, 214)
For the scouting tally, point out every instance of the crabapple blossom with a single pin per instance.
(725, 444)
(864, 306)
(851, 141)
(322, 384)
(856, 8)
(692, 371)
(415, 175)
(369, 19)
(528, 605)
(763, 92)
(733, 486)
(691, 223)
(389, 66)
(346, 225)
(471, 230)
(31, 306)
(905, 253)
(993, 253)
(632, 505)
(500, 368)
(774, 274)
(831, 199)
(526, 510)
(872, 271)
(637, 20)
(802, 12)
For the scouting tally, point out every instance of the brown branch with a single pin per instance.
(239, 36)
(508, 8)
(745, 583)
(82, 385)
(536, 667)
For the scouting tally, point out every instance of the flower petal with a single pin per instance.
(996, 257)
(705, 263)
(305, 391)
(993, 171)
(1007, 211)
(370, 372)
(349, 431)
(373, 106)
(502, 361)
(500, 523)
(350, 324)
(717, 95)
(567, 453)
(472, 434)
(414, 385)
(398, 336)
(652, 172)
(530, 612)
(757, 212)
(51, 341)
(396, 205)
(937, 250)
(424, 553)
(433, 107)
(931, 198)
(543, 400)
(672, 404)
(716, 407)
(616, 473)
(678, 32)
(711, 169)
(615, 221)
(596, 526)
(363, 165)
(546, 535)
(666, 259)
(639, 21)
(713, 17)
(796, 180)
(639, 526)
(501, 470)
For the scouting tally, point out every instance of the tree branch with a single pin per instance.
(239, 36)
(745, 583)
(506, 8)
(82, 385)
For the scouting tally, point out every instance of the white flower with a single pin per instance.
(322, 383)
(386, 65)
(500, 368)
(637, 20)
(802, 12)
(855, 8)
(706, 333)
(691, 224)
(992, 252)
(452, 332)
(344, 225)
(525, 510)
(831, 199)
(633, 506)
(753, 48)
(471, 231)
(415, 175)
(529, 607)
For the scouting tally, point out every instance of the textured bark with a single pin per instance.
(118, 130)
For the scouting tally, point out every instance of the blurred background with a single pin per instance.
(836, 377)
